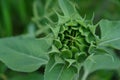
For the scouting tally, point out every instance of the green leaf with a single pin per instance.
(59, 71)
(100, 62)
(55, 29)
(66, 53)
(54, 50)
(80, 57)
(70, 62)
(110, 33)
(24, 54)
(58, 43)
(62, 19)
(67, 8)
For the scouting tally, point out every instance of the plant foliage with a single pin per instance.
(68, 45)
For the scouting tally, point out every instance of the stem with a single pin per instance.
(85, 75)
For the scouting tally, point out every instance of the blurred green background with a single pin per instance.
(16, 17)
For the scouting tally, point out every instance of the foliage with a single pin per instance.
(65, 47)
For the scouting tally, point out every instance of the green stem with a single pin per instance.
(85, 76)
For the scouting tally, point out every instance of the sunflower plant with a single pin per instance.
(72, 48)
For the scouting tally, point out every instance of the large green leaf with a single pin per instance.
(110, 33)
(59, 71)
(99, 62)
(24, 54)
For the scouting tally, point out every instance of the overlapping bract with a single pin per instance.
(74, 40)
